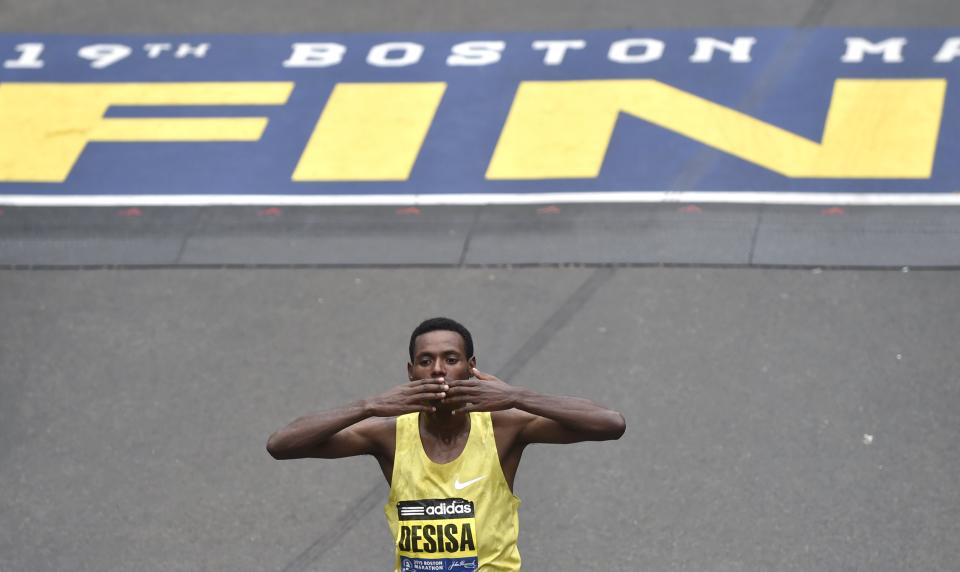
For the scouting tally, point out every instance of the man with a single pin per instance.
(448, 442)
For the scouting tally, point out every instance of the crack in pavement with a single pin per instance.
(345, 523)
(555, 322)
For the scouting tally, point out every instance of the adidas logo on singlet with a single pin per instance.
(435, 508)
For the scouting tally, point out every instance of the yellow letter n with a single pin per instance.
(875, 128)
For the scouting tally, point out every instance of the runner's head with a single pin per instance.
(441, 347)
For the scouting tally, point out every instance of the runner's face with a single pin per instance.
(440, 354)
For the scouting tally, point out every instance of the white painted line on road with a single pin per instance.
(762, 198)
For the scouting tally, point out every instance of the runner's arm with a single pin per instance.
(331, 434)
(349, 431)
(559, 419)
(550, 419)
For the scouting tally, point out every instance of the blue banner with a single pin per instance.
(701, 110)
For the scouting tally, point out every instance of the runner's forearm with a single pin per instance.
(574, 413)
(314, 429)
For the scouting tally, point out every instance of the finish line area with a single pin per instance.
(769, 146)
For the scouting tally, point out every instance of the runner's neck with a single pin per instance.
(444, 425)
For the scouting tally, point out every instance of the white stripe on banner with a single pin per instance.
(764, 198)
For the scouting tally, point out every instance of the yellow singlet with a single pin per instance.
(457, 516)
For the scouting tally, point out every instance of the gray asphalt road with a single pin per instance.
(136, 405)
(250, 16)
(791, 420)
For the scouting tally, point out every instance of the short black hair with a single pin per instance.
(442, 324)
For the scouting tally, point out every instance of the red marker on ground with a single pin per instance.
(408, 211)
(272, 211)
(552, 209)
(690, 209)
(833, 211)
(130, 213)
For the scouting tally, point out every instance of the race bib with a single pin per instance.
(437, 534)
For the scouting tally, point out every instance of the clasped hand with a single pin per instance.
(485, 393)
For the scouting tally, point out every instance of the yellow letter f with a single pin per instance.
(44, 127)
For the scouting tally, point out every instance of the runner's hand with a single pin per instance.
(486, 393)
(412, 397)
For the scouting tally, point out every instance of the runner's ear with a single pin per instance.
(473, 363)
